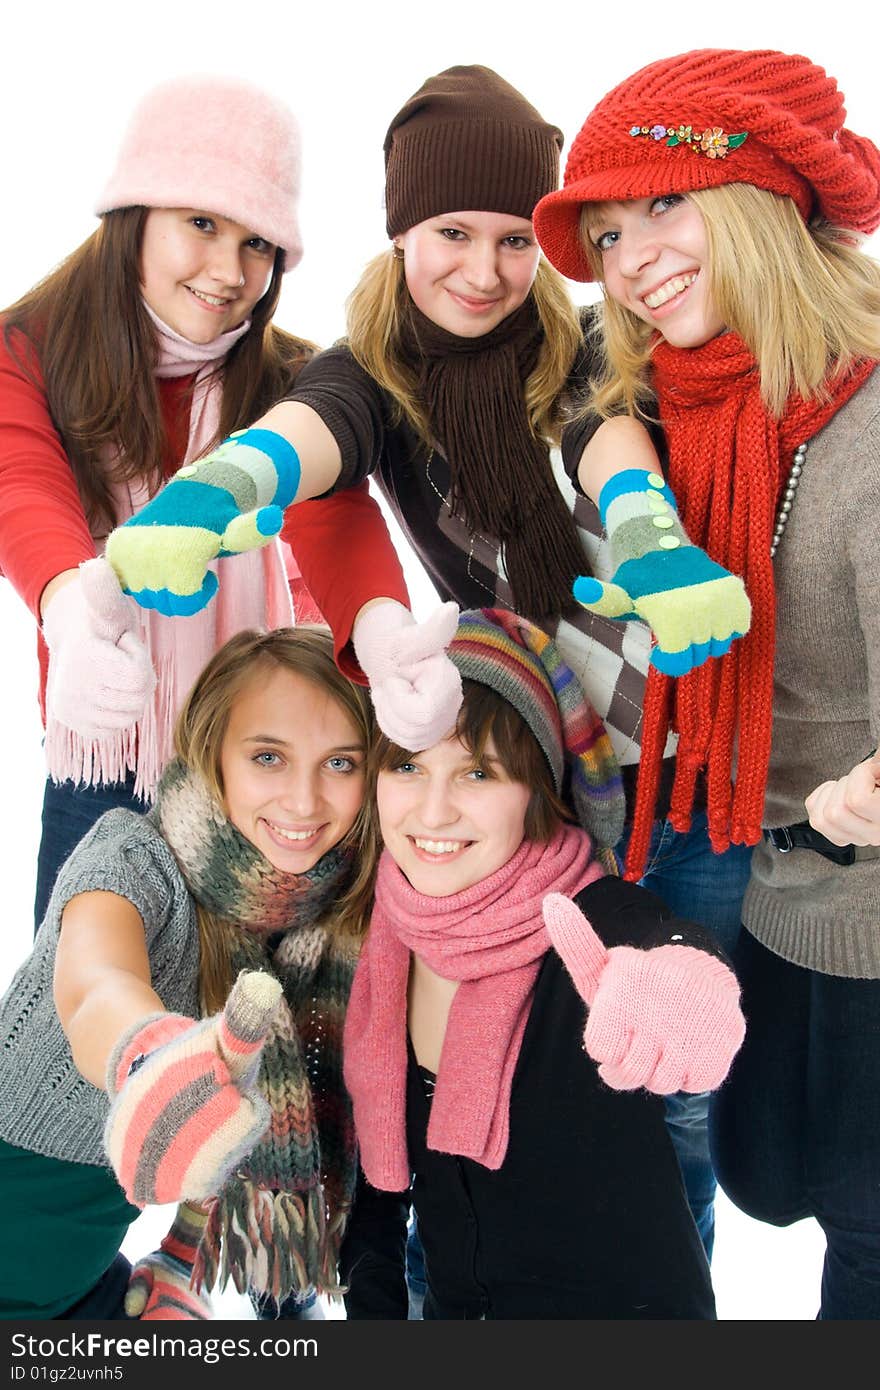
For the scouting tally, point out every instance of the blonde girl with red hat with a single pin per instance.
(147, 345)
(721, 200)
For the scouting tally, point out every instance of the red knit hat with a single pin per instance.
(710, 117)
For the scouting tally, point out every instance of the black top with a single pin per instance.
(586, 1218)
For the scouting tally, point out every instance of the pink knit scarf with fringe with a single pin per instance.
(253, 593)
(492, 938)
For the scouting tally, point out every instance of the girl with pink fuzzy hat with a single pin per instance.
(150, 342)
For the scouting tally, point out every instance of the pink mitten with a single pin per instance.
(416, 689)
(100, 673)
(185, 1107)
(667, 1019)
(160, 1287)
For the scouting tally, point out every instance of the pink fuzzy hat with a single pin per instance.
(216, 144)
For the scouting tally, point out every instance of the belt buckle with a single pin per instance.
(781, 839)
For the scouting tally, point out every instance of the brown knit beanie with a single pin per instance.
(710, 117)
(467, 141)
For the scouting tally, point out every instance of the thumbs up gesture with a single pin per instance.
(416, 690)
(847, 811)
(667, 1019)
(185, 1109)
(100, 675)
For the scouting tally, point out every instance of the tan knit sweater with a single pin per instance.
(826, 702)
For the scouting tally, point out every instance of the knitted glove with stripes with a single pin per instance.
(667, 1019)
(159, 1287)
(415, 689)
(693, 606)
(185, 1109)
(232, 500)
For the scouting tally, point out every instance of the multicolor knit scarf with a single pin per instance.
(502, 485)
(728, 464)
(277, 1225)
(492, 938)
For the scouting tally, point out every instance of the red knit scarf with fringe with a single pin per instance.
(729, 461)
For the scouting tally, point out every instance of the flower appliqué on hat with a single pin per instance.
(713, 142)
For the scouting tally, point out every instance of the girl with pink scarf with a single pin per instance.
(532, 1149)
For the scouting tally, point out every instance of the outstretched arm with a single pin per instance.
(102, 978)
(184, 1105)
(229, 502)
(347, 559)
(694, 607)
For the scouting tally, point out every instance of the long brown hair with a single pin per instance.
(96, 348)
(201, 726)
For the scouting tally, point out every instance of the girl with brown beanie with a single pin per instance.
(720, 199)
(463, 361)
(147, 345)
(533, 1150)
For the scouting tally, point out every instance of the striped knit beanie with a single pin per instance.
(467, 141)
(513, 657)
(710, 117)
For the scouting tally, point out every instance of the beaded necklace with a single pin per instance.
(785, 506)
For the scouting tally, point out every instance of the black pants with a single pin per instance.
(795, 1129)
(106, 1299)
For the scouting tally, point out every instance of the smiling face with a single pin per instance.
(467, 271)
(200, 273)
(447, 821)
(292, 764)
(655, 262)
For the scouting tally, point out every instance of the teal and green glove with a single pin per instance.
(224, 504)
(693, 606)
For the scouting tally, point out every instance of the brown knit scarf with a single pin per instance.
(728, 465)
(501, 482)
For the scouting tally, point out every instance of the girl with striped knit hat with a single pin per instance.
(201, 958)
(533, 1150)
(721, 200)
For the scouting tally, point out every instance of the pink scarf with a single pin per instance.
(253, 593)
(492, 938)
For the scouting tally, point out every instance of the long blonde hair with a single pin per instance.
(375, 311)
(804, 299)
(307, 651)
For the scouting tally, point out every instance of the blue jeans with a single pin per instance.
(69, 811)
(796, 1126)
(707, 888)
(290, 1309)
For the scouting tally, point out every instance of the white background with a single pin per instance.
(71, 74)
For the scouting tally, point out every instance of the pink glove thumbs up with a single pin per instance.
(574, 940)
(667, 1019)
(101, 677)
